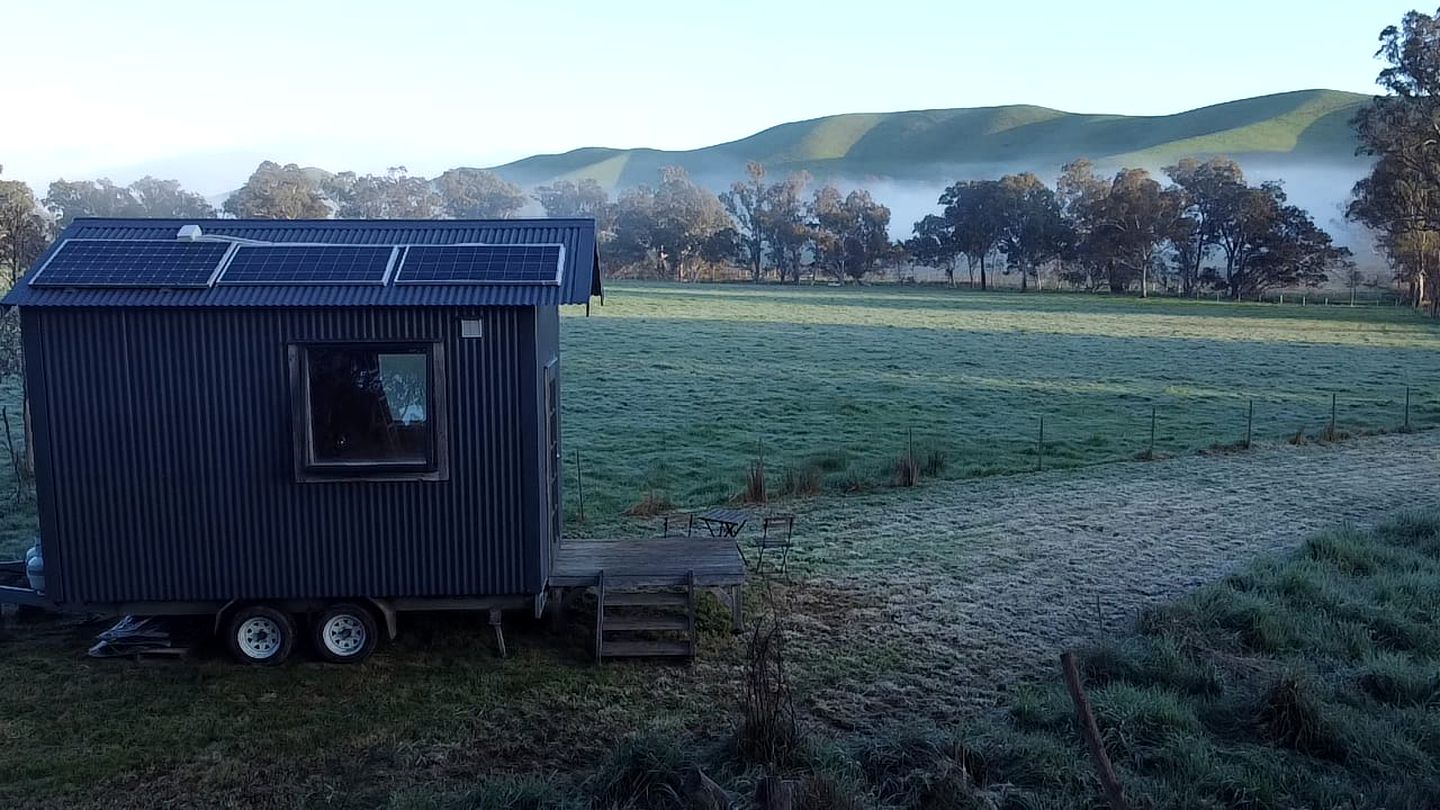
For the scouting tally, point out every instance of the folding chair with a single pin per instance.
(776, 532)
(687, 519)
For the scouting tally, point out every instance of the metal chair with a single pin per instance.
(687, 518)
(777, 532)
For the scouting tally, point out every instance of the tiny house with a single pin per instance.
(331, 421)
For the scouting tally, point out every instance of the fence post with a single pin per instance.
(1040, 447)
(1151, 451)
(1332, 417)
(1407, 409)
(1249, 424)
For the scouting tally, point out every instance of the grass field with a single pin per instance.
(1304, 681)
(671, 389)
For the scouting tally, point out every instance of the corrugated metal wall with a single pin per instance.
(167, 469)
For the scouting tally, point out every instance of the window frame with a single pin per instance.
(308, 470)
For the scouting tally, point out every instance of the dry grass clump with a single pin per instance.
(907, 471)
(1293, 716)
(645, 773)
(802, 481)
(757, 488)
(934, 462)
(651, 505)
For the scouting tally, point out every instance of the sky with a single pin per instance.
(202, 91)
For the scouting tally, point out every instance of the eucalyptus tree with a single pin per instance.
(279, 192)
(1400, 198)
(467, 193)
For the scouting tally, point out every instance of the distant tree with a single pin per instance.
(1208, 193)
(1135, 219)
(634, 242)
(785, 221)
(746, 202)
(146, 197)
(69, 199)
(686, 220)
(478, 194)
(720, 248)
(672, 227)
(1400, 199)
(567, 198)
(933, 245)
(24, 233)
(851, 237)
(393, 195)
(1032, 229)
(278, 192)
(971, 207)
(1354, 279)
(24, 230)
(1082, 194)
(165, 198)
(1270, 243)
(1396, 203)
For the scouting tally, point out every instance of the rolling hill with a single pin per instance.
(1307, 127)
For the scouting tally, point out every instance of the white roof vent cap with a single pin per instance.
(189, 233)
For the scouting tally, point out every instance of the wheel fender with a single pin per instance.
(387, 612)
(223, 612)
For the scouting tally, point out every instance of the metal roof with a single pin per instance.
(580, 278)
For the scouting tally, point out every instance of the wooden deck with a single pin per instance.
(652, 562)
(648, 562)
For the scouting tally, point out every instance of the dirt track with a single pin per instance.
(938, 598)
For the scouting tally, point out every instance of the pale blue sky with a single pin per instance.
(203, 90)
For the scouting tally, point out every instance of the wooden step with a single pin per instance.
(663, 622)
(646, 649)
(646, 599)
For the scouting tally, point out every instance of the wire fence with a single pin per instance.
(1053, 436)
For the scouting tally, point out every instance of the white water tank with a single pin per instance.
(35, 569)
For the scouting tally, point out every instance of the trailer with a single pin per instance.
(297, 424)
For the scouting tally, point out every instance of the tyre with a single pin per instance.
(261, 635)
(345, 634)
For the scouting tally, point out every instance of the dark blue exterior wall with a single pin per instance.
(166, 468)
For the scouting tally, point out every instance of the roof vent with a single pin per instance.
(188, 233)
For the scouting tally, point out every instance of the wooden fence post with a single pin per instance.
(1040, 447)
(1109, 782)
(1151, 452)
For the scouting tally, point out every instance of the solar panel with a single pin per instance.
(308, 264)
(131, 263)
(481, 264)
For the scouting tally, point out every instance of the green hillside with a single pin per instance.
(1308, 125)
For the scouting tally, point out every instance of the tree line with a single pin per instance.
(1399, 200)
(1209, 227)
(1201, 226)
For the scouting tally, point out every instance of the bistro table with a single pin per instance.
(723, 522)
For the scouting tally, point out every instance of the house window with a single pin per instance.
(369, 411)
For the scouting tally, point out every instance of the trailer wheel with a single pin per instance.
(261, 635)
(345, 634)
